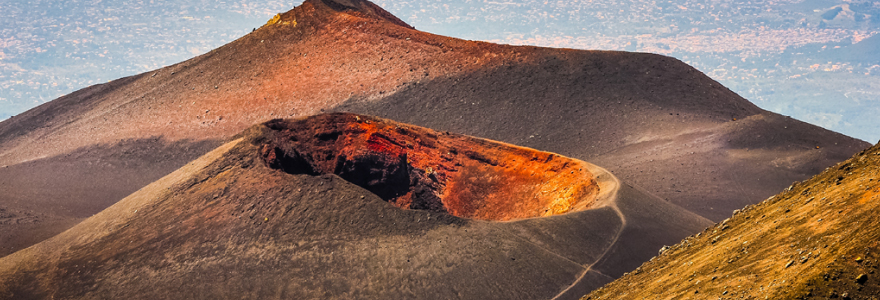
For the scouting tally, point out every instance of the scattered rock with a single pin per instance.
(663, 250)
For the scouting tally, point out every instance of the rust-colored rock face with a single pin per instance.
(418, 168)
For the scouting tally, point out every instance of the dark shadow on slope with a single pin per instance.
(581, 237)
(647, 229)
(672, 134)
(58, 191)
(570, 103)
(591, 281)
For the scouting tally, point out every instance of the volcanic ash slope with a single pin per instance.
(349, 206)
(651, 120)
(818, 239)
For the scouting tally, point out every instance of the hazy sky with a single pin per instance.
(794, 57)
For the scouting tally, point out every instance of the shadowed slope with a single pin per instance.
(816, 240)
(229, 226)
(46, 196)
(650, 120)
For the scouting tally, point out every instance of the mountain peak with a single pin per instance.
(359, 8)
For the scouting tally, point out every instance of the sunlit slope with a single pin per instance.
(817, 239)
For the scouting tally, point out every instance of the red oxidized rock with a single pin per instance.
(418, 168)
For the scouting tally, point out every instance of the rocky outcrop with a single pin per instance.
(418, 168)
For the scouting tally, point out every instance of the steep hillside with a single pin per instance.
(652, 120)
(315, 208)
(816, 240)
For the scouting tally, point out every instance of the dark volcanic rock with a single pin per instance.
(234, 224)
(419, 168)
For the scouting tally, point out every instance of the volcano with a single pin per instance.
(674, 137)
(351, 206)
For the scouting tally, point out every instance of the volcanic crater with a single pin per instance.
(229, 224)
(418, 168)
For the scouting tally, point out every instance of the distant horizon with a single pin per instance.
(811, 93)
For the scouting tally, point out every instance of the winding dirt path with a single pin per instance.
(609, 186)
